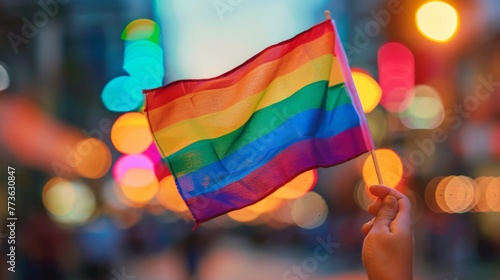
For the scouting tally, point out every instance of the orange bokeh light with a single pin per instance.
(391, 168)
(492, 195)
(122, 199)
(440, 194)
(139, 185)
(243, 215)
(430, 194)
(130, 133)
(267, 204)
(95, 158)
(299, 186)
(482, 186)
(169, 196)
(459, 194)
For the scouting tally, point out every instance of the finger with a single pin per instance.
(367, 226)
(373, 208)
(403, 217)
(386, 213)
(382, 191)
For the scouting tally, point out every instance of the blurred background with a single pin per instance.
(93, 202)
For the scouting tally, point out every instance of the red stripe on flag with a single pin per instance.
(182, 87)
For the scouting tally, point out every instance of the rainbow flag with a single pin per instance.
(232, 140)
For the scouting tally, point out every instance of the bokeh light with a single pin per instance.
(122, 94)
(368, 90)
(430, 194)
(142, 29)
(130, 133)
(4, 78)
(482, 186)
(36, 138)
(281, 216)
(267, 204)
(243, 215)
(459, 194)
(143, 61)
(299, 186)
(361, 195)
(68, 202)
(169, 196)
(390, 165)
(59, 196)
(139, 185)
(309, 211)
(396, 65)
(437, 21)
(122, 198)
(109, 195)
(95, 158)
(377, 122)
(493, 195)
(142, 49)
(126, 162)
(425, 111)
(441, 196)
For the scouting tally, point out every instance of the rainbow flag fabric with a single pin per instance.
(232, 140)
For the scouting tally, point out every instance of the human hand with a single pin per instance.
(388, 246)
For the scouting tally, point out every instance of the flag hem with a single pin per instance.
(227, 73)
(351, 88)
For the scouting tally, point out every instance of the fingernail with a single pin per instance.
(390, 201)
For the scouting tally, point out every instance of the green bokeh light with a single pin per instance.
(142, 29)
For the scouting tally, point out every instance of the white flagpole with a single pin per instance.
(372, 151)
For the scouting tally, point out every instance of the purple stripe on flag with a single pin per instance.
(297, 158)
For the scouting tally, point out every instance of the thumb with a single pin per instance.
(386, 213)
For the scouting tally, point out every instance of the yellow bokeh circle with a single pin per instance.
(68, 202)
(437, 21)
(368, 89)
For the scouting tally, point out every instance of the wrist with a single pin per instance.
(392, 274)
